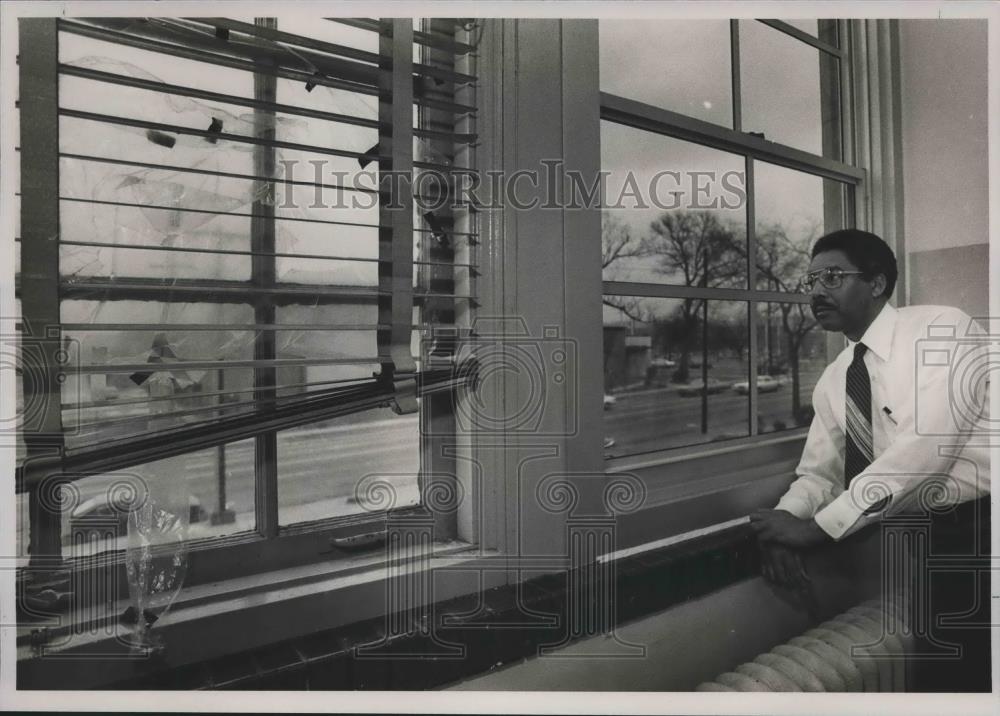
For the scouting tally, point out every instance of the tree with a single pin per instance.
(782, 262)
(618, 244)
(694, 248)
(617, 241)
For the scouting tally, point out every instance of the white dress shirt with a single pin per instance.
(928, 367)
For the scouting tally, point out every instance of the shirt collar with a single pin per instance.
(878, 337)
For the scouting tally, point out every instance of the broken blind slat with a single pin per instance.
(186, 290)
(430, 198)
(277, 254)
(175, 89)
(421, 38)
(115, 455)
(299, 41)
(228, 394)
(330, 72)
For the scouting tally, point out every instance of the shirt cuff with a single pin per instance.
(797, 506)
(837, 518)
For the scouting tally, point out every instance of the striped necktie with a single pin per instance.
(858, 453)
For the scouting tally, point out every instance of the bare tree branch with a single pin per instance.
(617, 241)
(628, 305)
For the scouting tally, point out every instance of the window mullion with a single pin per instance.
(263, 275)
(805, 37)
(752, 285)
(848, 124)
(396, 210)
(734, 63)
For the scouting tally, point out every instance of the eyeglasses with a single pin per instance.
(829, 278)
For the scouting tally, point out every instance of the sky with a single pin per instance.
(685, 66)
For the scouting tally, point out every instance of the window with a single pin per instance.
(226, 291)
(243, 282)
(707, 163)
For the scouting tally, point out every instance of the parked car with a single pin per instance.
(765, 384)
(663, 363)
(696, 387)
(96, 511)
(609, 401)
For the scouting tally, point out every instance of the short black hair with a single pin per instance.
(865, 250)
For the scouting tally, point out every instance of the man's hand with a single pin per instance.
(783, 566)
(787, 529)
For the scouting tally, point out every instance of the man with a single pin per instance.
(891, 438)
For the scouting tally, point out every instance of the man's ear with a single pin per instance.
(878, 285)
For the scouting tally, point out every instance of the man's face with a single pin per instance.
(847, 309)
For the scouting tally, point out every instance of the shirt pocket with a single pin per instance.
(885, 418)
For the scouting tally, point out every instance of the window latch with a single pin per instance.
(358, 542)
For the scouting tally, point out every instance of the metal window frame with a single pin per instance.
(263, 275)
(651, 118)
(807, 38)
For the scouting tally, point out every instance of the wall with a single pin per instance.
(700, 639)
(715, 633)
(943, 66)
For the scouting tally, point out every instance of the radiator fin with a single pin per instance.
(863, 649)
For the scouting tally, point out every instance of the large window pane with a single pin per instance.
(792, 210)
(680, 65)
(671, 209)
(122, 59)
(168, 209)
(655, 366)
(803, 108)
(329, 337)
(791, 355)
(208, 493)
(335, 199)
(100, 405)
(126, 228)
(322, 468)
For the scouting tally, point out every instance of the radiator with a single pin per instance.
(863, 649)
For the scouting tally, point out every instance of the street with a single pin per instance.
(319, 466)
(657, 418)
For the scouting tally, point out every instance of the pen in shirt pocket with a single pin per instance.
(888, 414)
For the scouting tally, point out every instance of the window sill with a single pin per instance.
(700, 488)
(694, 453)
(212, 620)
(492, 626)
